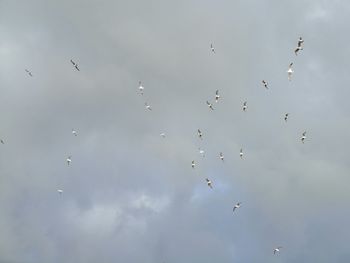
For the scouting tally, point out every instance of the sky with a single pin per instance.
(130, 195)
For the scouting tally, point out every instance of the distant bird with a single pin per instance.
(300, 42)
(29, 73)
(241, 153)
(200, 134)
(264, 82)
(162, 134)
(212, 48)
(193, 164)
(141, 88)
(286, 116)
(69, 160)
(245, 107)
(74, 132)
(303, 137)
(209, 183)
(210, 106)
(2, 141)
(201, 152)
(60, 191)
(277, 249)
(290, 71)
(75, 65)
(148, 107)
(236, 206)
(297, 49)
(221, 156)
(217, 96)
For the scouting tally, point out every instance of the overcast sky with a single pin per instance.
(130, 195)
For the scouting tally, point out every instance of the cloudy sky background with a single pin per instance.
(132, 196)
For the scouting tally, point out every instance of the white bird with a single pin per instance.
(303, 137)
(75, 65)
(200, 134)
(210, 106)
(148, 107)
(209, 183)
(201, 152)
(245, 107)
(60, 191)
(217, 96)
(212, 48)
(264, 82)
(241, 153)
(29, 73)
(221, 156)
(141, 88)
(162, 134)
(193, 164)
(74, 132)
(277, 249)
(286, 116)
(69, 160)
(236, 206)
(290, 71)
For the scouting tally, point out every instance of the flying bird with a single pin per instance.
(162, 134)
(60, 191)
(209, 183)
(148, 107)
(241, 153)
(221, 156)
(303, 137)
(69, 160)
(217, 96)
(74, 132)
(297, 49)
(2, 141)
(212, 48)
(286, 116)
(193, 164)
(29, 73)
(300, 42)
(290, 71)
(200, 134)
(75, 65)
(245, 107)
(210, 106)
(277, 249)
(264, 82)
(141, 88)
(236, 206)
(201, 152)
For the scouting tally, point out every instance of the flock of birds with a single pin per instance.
(209, 183)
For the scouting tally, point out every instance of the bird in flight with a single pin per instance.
(75, 65)
(162, 134)
(210, 106)
(141, 88)
(193, 164)
(241, 153)
(221, 156)
(290, 71)
(60, 191)
(217, 96)
(300, 42)
(286, 116)
(74, 132)
(2, 141)
(264, 82)
(200, 134)
(69, 160)
(148, 107)
(236, 206)
(212, 48)
(303, 137)
(29, 73)
(276, 250)
(209, 183)
(245, 107)
(297, 49)
(201, 152)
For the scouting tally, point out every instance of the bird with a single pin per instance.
(286, 116)
(29, 73)
(303, 137)
(2, 141)
(69, 160)
(148, 107)
(74, 132)
(210, 106)
(75, 65)
(290, 71)
(277, 249)
(200, 134)
(241, 153)
(297, 49)
(141, 88)
(245, 107)
(193, 164)
(209, 183)
(300, 41)
(212, 48)
(162, 134)
(60, 191)
(236, 206)
(221, 156)
(201, 152)
(264, 82)
(217, 96)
